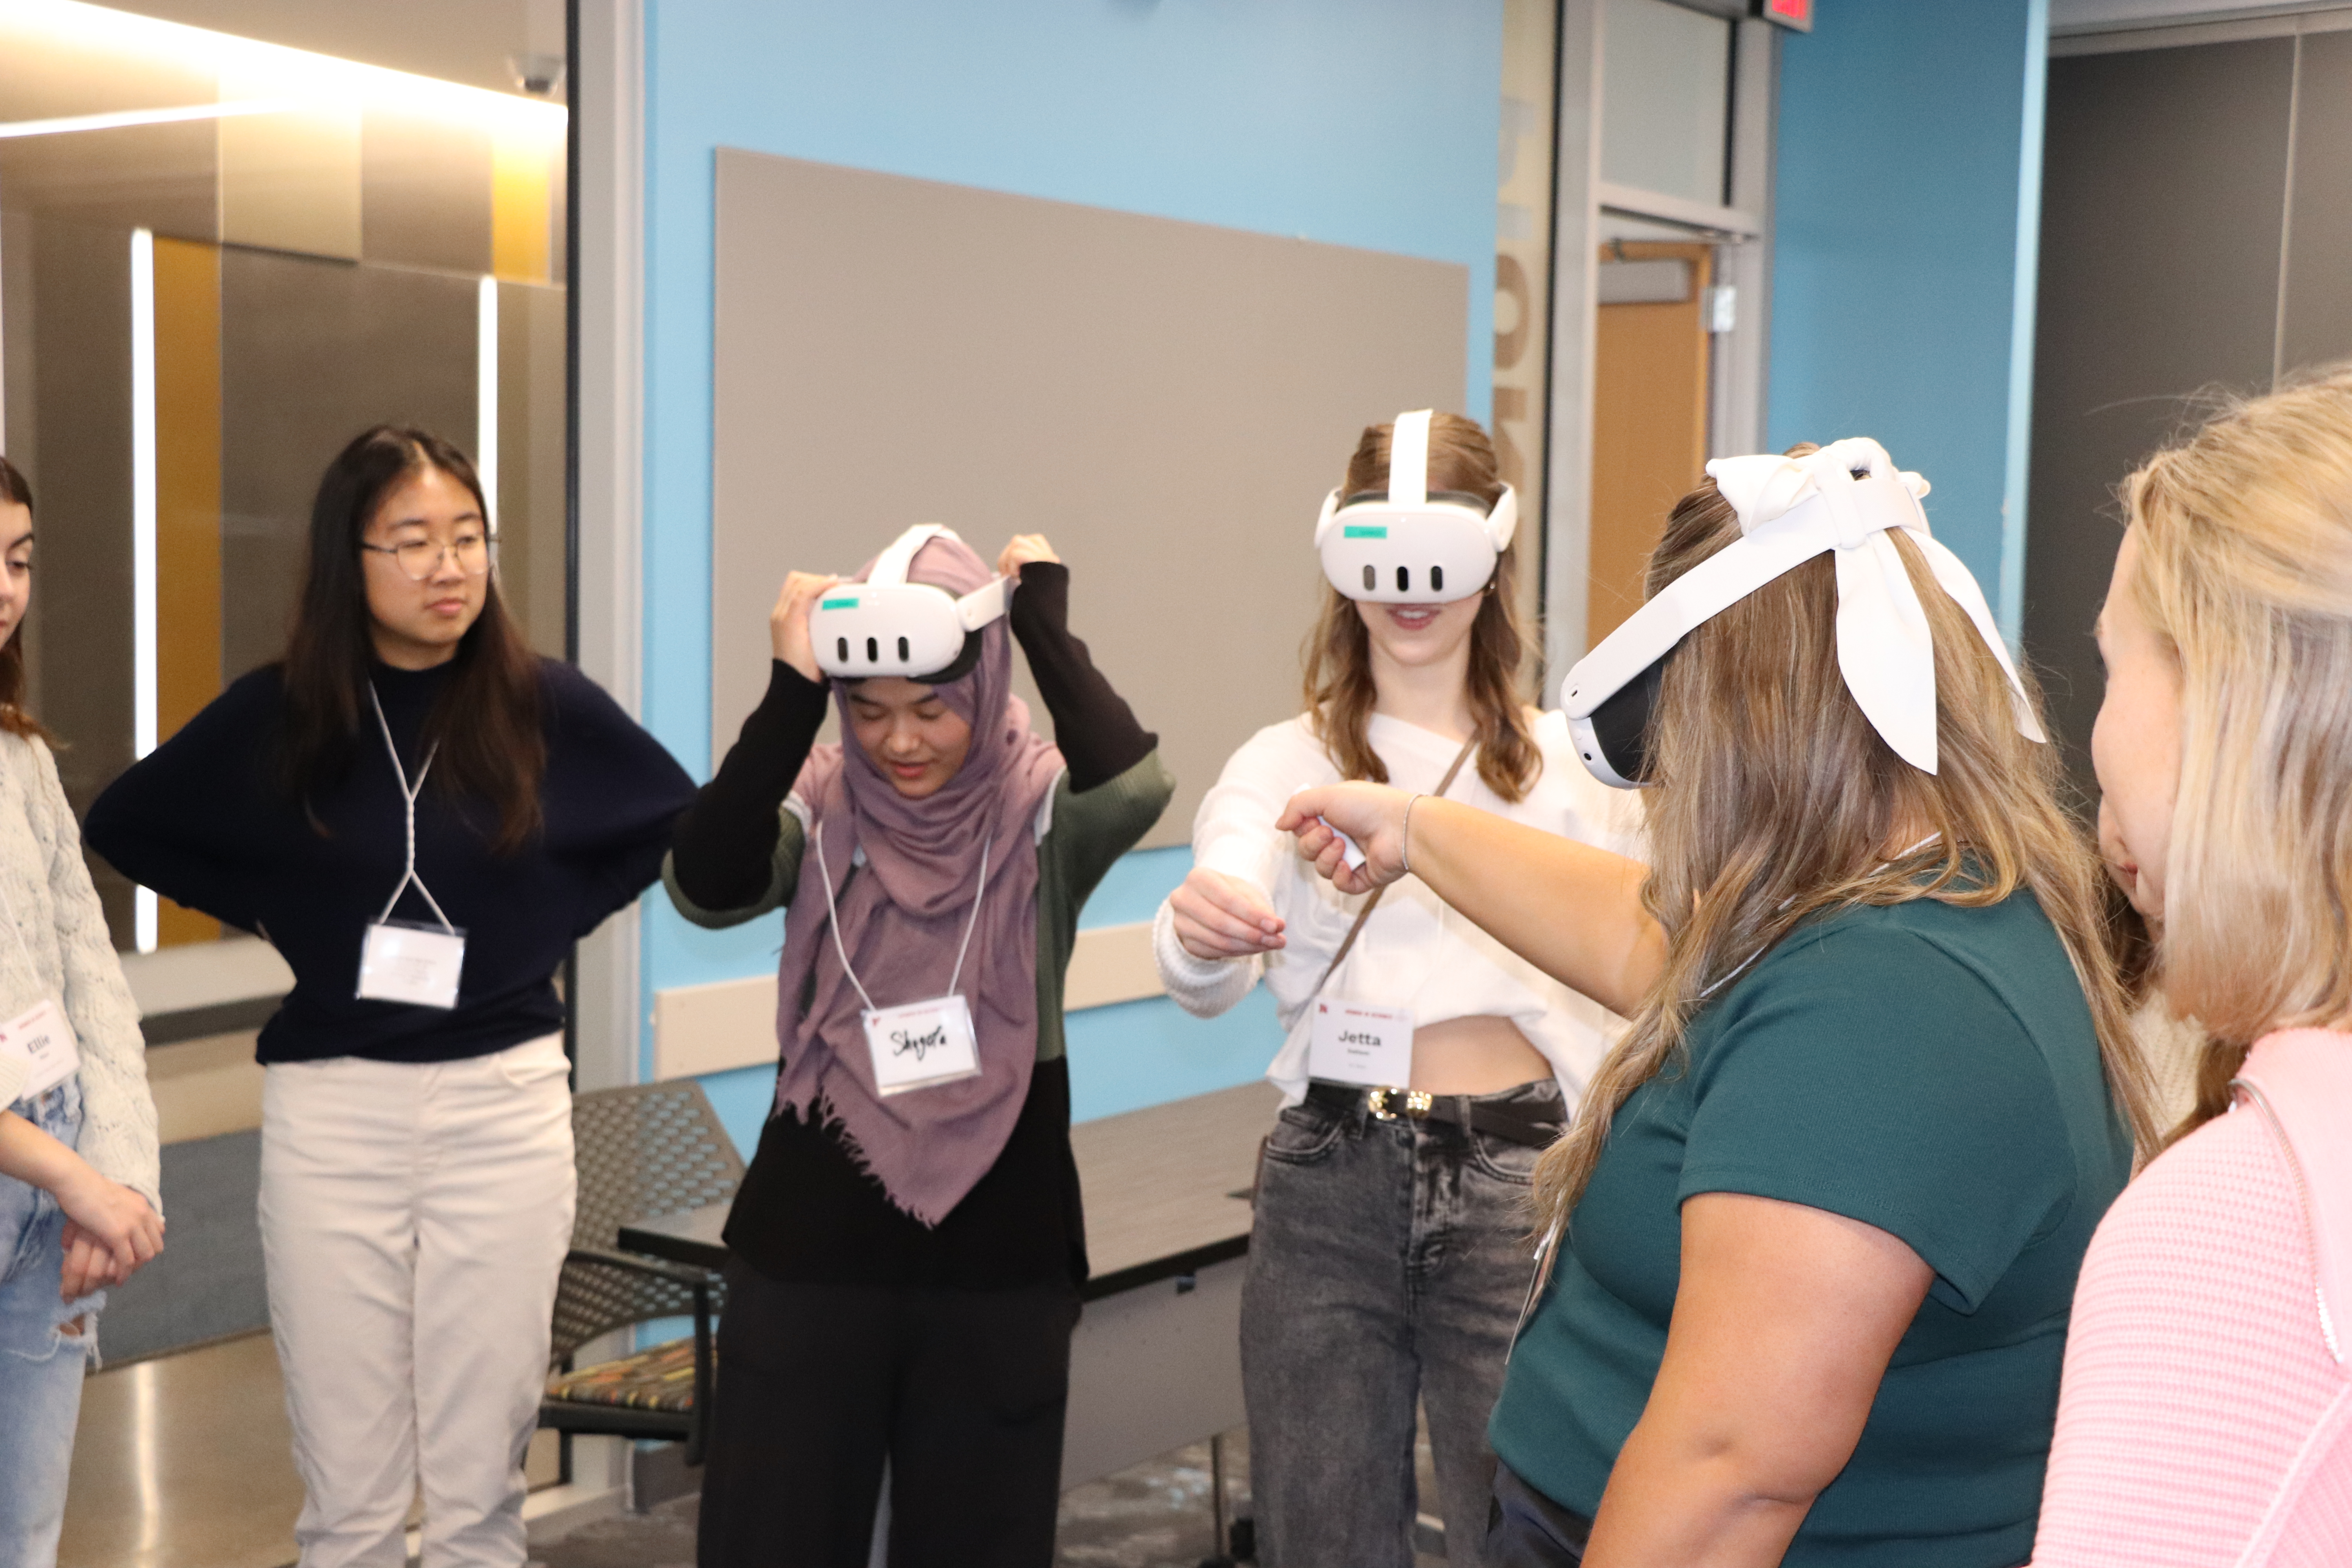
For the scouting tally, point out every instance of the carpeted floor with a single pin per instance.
(206, 1283)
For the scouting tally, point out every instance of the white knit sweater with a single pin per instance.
(56, 910)
(1414, 951)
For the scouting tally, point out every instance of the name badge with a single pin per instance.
(921, 1044)
(1354, 1042)
(415, 963)
(40, 1037)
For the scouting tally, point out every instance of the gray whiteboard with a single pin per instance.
(1167, 401)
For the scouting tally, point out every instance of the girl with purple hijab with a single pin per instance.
(904, 1267)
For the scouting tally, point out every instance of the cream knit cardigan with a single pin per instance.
(55, 911)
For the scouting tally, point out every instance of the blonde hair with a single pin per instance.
(1777, 802)
(1338, 658)
(2246, 568)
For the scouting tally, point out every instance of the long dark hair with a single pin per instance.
(485, 722)
(13, 715)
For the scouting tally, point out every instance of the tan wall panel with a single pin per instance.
(1168, 401)
(188, 507)
(1649, 430)
(291, 181)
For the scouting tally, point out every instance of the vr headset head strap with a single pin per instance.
(893, 564)
(1408, 458)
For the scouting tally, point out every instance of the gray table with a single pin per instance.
(1155, 1362)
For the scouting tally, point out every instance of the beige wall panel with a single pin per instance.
(1168, 401)
(312, 353)
(426, 183)
(81, 379)
(530, 502)
(291, 181)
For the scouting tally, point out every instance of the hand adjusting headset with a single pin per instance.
(1413, 546)
(887, 626)
(1844, 499)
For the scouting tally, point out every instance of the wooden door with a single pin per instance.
(1649, 421)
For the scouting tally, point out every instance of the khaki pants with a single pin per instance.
(414, 1219)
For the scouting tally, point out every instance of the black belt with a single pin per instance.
(1533, 1126)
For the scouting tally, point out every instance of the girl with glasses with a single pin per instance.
(423, 816)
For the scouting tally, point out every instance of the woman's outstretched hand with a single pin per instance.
(1373, 814)
(1024, 549)
(1217, 916)
(788, 623)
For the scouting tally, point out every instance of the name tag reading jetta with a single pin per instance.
(1354, 1042)
(920, 1045)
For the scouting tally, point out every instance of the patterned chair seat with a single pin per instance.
(659, 1379)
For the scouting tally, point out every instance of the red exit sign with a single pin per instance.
(1797, 14)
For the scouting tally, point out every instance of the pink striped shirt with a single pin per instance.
(2206, 1412)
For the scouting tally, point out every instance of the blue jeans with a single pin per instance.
(1387, 1265)
(46, 1348)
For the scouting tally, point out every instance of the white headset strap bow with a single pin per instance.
(1844, 499)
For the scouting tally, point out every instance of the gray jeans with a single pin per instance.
(1388, 1263)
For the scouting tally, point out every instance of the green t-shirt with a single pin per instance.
(1929, 1069)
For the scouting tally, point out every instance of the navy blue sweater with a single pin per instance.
(203, 822)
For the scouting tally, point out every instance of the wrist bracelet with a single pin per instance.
(1404, 845)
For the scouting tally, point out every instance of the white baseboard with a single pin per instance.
(732, 1024)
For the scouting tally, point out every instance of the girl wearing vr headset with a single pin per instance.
(907, 1245)
(1388, 1253)
(2207, 1408)
(1811, 1244)
(423, 816)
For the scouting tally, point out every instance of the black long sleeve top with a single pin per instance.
(204, 821)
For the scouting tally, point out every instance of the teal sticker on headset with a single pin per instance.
(849, 603)
(1366, 530)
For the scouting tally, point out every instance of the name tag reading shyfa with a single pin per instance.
(921, 1044)
(414, 963)
(1354, 1042)
(40, 1037)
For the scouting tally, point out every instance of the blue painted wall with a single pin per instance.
(1906, 205)
(1363, 122)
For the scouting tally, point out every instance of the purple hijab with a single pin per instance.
(902, 917)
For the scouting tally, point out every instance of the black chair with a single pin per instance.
(644, 1151)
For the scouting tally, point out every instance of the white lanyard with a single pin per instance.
(408, 794)
(832, 918)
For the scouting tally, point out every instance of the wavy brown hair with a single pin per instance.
(1340, 693)
(1777, 801)
(2245, 569)
(485, 725)
(13, 716)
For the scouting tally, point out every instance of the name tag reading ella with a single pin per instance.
(415, 963)
(921, 1044)
(1354, 1042)
(40, 1037)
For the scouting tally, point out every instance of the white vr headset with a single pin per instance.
(1846, 500)
(1413, 548)
(887, 625)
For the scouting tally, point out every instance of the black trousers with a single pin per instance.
(963, 1391)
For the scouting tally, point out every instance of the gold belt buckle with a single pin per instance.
(1416, 1104)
